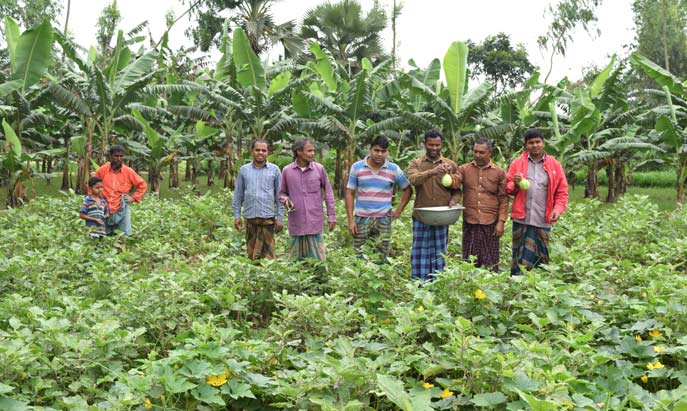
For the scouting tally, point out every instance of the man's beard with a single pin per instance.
(116, 166)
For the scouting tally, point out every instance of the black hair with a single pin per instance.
(299, 145)
(252, 146)
(533, 133)
(381, 141)
(94, 180)
(486, 142)
(433, 133)
(116, 149)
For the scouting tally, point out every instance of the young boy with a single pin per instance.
(94, 209)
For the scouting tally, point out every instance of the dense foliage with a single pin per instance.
(175, 318)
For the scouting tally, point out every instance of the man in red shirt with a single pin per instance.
(537, 181)
(118, 183)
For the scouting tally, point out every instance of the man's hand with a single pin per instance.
(126, 198)
(555, 215)
(98, 221)
(278, 226)
(238, 224)
(331, 225)
(288, 204)
(395, 214)
(352, 228)
(452, 202)
(498, 231)
(442, 169)
(517, 177)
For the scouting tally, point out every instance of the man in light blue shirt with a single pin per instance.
(257, 191)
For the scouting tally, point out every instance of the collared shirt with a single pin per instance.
(118, 182)
(484, 193)
(375, 188)
(428, 189)
(257, 190)
(304, 188)
(536, 194)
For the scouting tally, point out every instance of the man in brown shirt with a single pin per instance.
(425, 173)
(486, 205)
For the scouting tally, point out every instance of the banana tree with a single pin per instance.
(30, 56)
(102, 99)
(671, 118)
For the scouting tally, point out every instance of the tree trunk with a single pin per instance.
(611, 196)
(346, 167)
(154, 180)
(620, 180)
(48, 170)
(194, 176)
(85, 164)
(222, 169)
(187, 173)
(591, 182)
(337, 171)
(66, 184)
(680, 184)
(174, 174)
(211, 180)
(229, 180)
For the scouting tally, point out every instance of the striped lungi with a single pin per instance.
(429, 247)
(307, 246)
(530, 247)
(260, 238)
(479, 240)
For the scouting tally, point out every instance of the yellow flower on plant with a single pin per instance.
(655, 365)
(421, 308)
(600, 302)
(427, 385)
(659, 349)
(644, 294)
(655, 333)
(644, 379)
(479, 294)
(446, 393)
(638, 338)
(147, 404)
(217, 380)
(568, 404)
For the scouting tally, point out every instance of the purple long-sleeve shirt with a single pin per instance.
(304, 188)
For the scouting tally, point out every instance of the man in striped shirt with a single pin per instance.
(373, 180)
(257, 191)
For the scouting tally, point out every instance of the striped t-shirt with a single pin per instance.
(375, 189)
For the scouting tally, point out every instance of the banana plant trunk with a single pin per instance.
(173, 174)
(229, 176)
(154, 178)
(211, 179)
(612, 195)
(620, 180)
(187, 173)
(345, 171)
(337, 171)
(681, 174)
(65, 167)
(85, 164)
(591, 182)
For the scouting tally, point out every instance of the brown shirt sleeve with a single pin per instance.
(503, 197)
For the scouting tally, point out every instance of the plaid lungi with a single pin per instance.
(370, 228)
(479, 240)
(260, 238)
(530, 247)
(307, 246)
(429, 247)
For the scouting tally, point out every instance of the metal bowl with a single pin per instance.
(443, 215)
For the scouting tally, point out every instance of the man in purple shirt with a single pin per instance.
(301, 193)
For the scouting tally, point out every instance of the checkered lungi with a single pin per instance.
(479, 240)
(530, 247)
(429, 247)
(307, 246)
(260, 238)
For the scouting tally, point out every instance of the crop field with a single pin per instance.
(175, 318)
